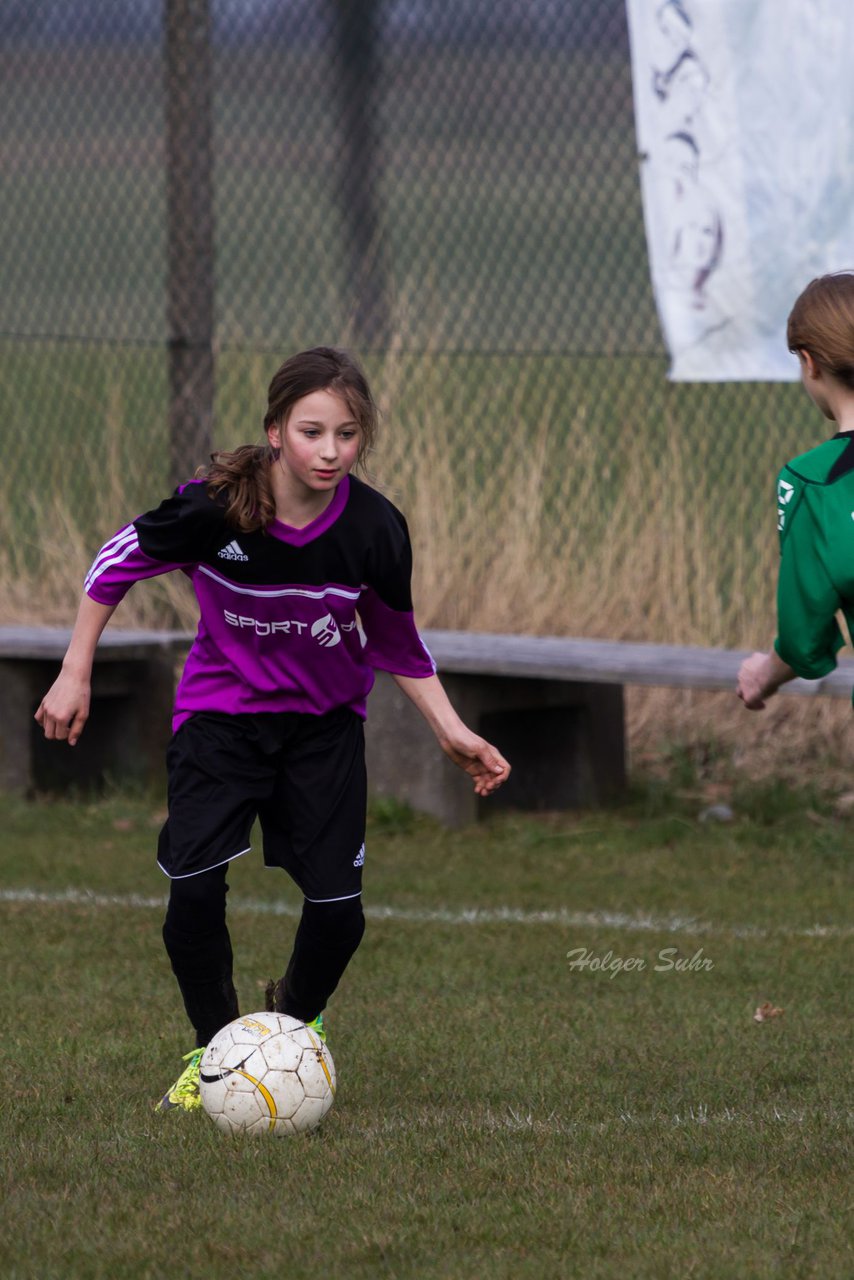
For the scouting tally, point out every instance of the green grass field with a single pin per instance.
(499, 1113)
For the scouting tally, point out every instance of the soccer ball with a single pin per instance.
(267, 1073)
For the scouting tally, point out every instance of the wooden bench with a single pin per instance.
(133, 685)
(555, 708)
(553, 705)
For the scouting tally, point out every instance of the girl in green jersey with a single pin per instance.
(815, 503)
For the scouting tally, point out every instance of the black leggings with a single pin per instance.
(199, 947)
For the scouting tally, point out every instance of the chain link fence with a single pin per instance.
(193, 189)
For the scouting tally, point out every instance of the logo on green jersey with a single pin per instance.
(784, 496)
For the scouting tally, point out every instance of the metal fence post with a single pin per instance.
(189, 187)
(357, 74)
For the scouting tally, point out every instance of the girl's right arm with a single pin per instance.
(64, 709)
(172, 536)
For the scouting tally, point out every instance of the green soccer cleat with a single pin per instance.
(316, 1025)
(184, 1093)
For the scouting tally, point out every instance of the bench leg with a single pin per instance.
(18, 703)
(566, 742)
(405, 761)
(125, 737)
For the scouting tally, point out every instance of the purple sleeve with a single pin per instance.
(392, 639)
(385, 604)
(118, 565)
(175, 535)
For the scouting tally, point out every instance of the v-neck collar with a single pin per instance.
(299, 537)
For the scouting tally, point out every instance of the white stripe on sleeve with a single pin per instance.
(102, 563)
(125, 536)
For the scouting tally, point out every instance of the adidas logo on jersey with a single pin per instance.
(360, 858)
(232, 552)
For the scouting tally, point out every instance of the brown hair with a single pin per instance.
(822, 323)
(243, 474)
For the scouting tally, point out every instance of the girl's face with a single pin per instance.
(319, 441)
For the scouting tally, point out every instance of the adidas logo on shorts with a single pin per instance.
(232, 552)
(360, 858)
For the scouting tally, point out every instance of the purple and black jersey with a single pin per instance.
(278, 629)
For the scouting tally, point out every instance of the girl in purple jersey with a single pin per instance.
(302, 575)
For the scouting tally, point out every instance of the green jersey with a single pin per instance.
(815, 518)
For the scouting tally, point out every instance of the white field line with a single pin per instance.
(519, 1120)
(617, 920)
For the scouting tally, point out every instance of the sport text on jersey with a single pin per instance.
(326, 631)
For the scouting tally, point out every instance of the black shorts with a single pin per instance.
(302, 776)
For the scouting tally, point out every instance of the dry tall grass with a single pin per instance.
(521, 523)
(548, 541)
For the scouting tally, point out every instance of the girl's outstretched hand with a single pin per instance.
(64, 709)
(752, 676)
(484, 763)
(760, 676)
(478, 758)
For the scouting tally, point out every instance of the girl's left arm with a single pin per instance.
(480, 760)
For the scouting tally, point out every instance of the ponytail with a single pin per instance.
(243, 475)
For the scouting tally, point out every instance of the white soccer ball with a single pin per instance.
(267, 1073)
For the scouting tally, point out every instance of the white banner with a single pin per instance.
(744, 112)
